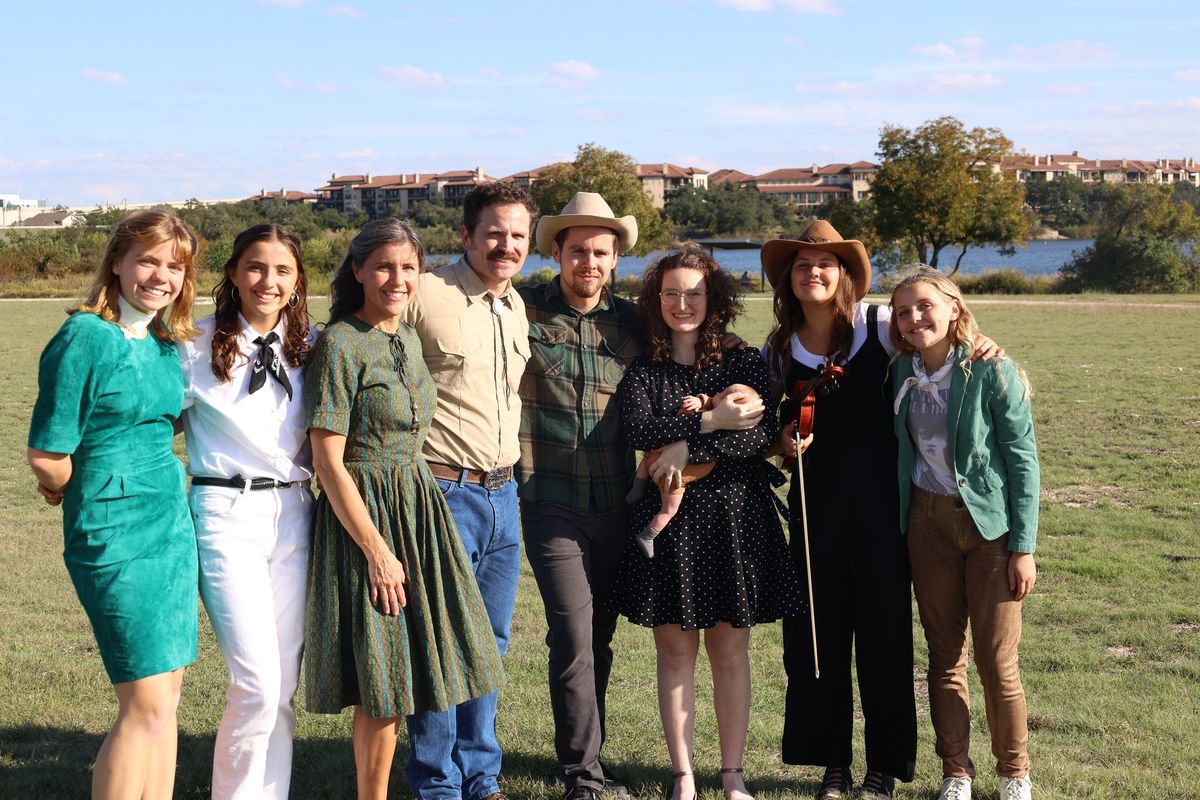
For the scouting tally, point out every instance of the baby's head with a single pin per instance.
(747, 393)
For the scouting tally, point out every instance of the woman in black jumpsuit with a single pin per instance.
(860, 573)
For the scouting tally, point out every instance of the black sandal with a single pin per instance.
(837, 784)
(877, 786)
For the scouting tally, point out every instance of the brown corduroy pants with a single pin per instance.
(961, 579)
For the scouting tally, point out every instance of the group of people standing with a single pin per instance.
(448, 414)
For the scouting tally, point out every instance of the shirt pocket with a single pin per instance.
(615, 355)
(518, 357)
(548, 350)
(452, 356)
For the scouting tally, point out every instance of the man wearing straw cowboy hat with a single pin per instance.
(575, 468)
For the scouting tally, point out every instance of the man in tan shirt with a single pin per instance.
(475, 341)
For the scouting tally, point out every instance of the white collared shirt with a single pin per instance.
(232, 432)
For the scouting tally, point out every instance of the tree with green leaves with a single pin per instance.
(1145, 244)
(1065, 202)
(614, 176)
(941, 185)
(727, 209)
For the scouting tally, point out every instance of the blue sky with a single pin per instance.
(163, 101)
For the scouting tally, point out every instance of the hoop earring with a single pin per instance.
(234, 293)
(294, 300)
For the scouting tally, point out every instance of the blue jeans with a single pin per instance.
(454, 754)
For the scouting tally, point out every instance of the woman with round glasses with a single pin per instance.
(721, 564)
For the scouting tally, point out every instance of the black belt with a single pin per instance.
(242, 484)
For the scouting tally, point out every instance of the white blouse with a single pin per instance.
(859, 322)
(232, 432)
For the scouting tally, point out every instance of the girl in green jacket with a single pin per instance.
(968, 473)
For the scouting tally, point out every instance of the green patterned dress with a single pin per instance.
(109, 403)
(373, 388)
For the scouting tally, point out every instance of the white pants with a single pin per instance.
(253, 550)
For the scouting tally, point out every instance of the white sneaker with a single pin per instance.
(1016, 788)
(956, 789)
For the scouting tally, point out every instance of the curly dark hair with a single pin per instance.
(724, 303)
(496, 193)
(295, 342)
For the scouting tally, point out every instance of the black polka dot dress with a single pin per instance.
(723, 558)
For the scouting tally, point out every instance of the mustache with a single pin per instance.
(500, 254)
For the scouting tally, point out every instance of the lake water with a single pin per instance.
(1037, 258)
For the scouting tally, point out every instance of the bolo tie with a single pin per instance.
(267, 361)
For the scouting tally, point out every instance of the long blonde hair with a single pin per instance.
(148, 229)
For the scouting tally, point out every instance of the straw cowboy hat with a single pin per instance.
(778, 254)
(586, 208)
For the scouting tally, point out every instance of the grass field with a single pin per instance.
(1110, 657)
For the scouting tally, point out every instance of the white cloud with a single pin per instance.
(578, 70)
(811, 7)
(962, 81)
(1076, 51)
(416, 78)
(798, 6)
(317, 87)
(491, 73)
(1070, 89)
(962, 49)
(747, 5)
(104, 76)
(1189, 75)
(571, 75)
(347, 11)
(939, 50)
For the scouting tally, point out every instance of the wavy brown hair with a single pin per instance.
(148, 229)
(789, 316)
(723, 305)
(295, 344)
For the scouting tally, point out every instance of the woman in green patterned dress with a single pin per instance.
(395, 621)
(109, 389)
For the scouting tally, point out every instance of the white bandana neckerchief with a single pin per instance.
(923, 382)
(133, 321)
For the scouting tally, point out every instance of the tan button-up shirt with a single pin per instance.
(475, 346)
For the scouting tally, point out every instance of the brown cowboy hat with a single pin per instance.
(586, 209)
(778, 254)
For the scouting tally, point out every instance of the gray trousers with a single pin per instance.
(574, 556)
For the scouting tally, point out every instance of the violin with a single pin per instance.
(827, 379)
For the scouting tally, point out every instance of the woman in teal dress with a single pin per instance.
(109, 391)
(395, 621)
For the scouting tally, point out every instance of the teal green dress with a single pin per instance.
(109, 402)
(373, 388)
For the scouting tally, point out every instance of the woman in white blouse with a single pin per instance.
(250, 465)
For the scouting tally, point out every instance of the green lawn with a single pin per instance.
(1111, 655)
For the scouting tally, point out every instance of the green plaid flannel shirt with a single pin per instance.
(573, 452)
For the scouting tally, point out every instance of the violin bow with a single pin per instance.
(807, 392)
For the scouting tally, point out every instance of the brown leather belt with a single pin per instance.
(491, 479)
